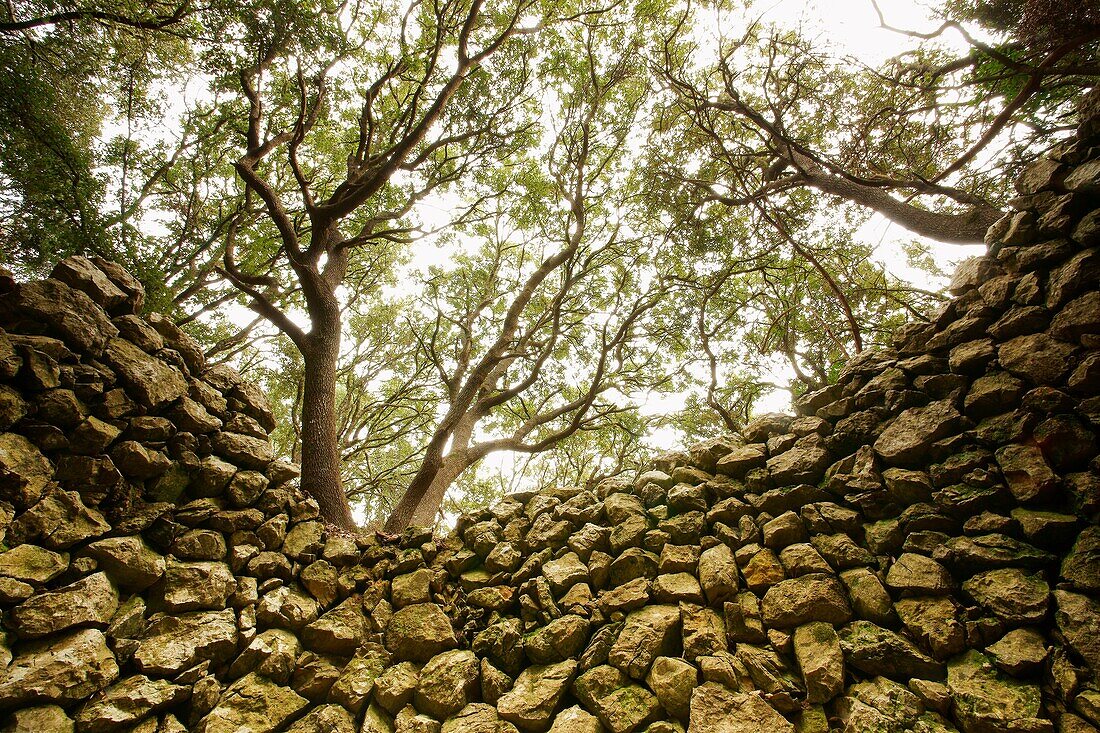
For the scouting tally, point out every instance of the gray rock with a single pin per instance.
(66, 312)
(1011, 594)
(196, 586)
(339, 631)
(672, 681)
(325, 719)
(986, 701)
(32, 564)
(913, 575)
(477, 718)
(1038, 358)
(621, 706)
(154, 383)
(648, 633)
(874, 650)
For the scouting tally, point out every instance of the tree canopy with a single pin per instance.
(449, 233)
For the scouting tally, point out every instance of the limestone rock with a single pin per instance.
(419, 632)
(716, 709)
(477, 718)
(254, 704)
(127, 702)
(447, 683)
(325, 719)
(985, 700)
(1010, 594)
(61, 670)
(814, 597)
(817, 650)
(531, 703)
(673, 680)
(340, 631)
(32, 564)
(128, 561)
(172, 644)
(90, 601)
(874, 650)
(621, 706)
(152, 381)
(66, 312)
(907, 439)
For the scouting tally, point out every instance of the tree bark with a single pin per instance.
(320, 447)
(451, 468)
(966, 228)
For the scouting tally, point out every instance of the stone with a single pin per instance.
(559, 640)
(576, 720)
(1026, 472)
(419, 632)
(804, 463)
(740, 461)
(814, 597)
(39, 719)
(1081, 566)
(196, 586)
(127, 702)
(621, 706)
(23, 469)
(171, 644)
(913, 574)
(32, 564)
(1010, 594)
(677, 587)
(272, 654)
(448, 682)
(531, 703)
(874, 650)
(90, 601)
(325, 719)
(357, 681)
(394, 689)
(648, 633)
(66, 312)
(286, 608)
(1076, 616)
(1038, 358)
(410, 588)
(154, 383)
(986, 700)
(62, 670)
(339, 631)
(820, 659)
(935, 622)
(477, 718)
(565, 572)
(672, 681)
(1019, 652)
(243, 450)
(703, 631)
(716, 709)
(255, 704)
(907, 439)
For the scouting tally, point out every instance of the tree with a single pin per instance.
(558, 287)
(929, 141)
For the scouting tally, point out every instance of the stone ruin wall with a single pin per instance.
(916, 550)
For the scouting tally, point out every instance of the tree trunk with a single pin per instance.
(402, 514)
(320, 448)
(453, 466)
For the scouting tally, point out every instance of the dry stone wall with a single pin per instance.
(916, 550)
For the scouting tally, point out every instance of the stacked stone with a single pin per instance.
(916, 550)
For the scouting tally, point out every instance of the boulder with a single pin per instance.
(814, 597)
(622, 707)
(448, 683)
(820, 659)
(127, 702)
(987, 701)
(91, 601)
(171, 644)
